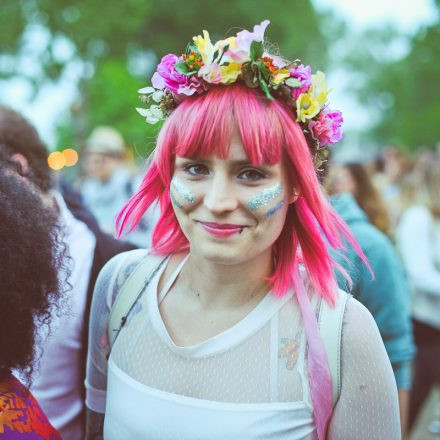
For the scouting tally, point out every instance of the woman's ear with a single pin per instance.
(293, 197)
(22, 162)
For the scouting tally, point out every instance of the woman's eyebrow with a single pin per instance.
(234, 163)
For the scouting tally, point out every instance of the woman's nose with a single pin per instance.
(220, 195)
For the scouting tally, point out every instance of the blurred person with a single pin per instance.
(376, 172)
(109, 184)
(418, 239)
(59, 383)
(219, 331)
(353, 178)
(31, 261)
(397, 164)
(387, 296)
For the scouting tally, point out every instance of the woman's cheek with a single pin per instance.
(181, 195)
(267, 202)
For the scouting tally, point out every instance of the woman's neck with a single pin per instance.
(227, 286)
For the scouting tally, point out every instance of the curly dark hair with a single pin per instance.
(32, 258)
(17, 135)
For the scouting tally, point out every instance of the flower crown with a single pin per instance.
(242, 58)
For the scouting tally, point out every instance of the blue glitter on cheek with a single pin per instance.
(183, 191)
(275, 209)
(264, 197)
(175, 201)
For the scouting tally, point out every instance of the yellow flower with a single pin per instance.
(204, 47)
(232, 41)
(307, 106)
(280, 76)
(319, 88)
(230, 73)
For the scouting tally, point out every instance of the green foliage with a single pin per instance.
(111, 100)
(399, 88)
(407, 94)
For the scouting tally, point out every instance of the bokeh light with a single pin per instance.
(56, 160)
(71, 157)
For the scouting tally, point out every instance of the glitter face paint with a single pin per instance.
(183, 192)
(264, 197)
(275, 209)
(175, 201)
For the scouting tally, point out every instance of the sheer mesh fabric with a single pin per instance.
(268, 366)
(368, 407)
(245, 373)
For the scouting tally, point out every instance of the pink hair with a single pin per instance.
(203, 125)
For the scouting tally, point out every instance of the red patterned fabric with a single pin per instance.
(21, 417)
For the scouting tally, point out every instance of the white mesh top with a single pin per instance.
(248, 382)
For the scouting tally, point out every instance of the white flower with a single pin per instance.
(152, 115)
(157, 95)
(147, 90)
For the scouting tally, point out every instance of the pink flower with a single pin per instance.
(304, 75)
(194, 85)
(240, 54)
(327, 128)
(167, 77)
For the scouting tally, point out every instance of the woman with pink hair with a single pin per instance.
(214, 332)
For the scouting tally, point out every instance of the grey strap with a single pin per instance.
(330, 325)
(130, 292)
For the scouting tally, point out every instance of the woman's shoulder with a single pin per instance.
(354, 311)
(359, 329)
(17, 404)
(114, 273)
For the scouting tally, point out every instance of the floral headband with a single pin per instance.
(242, 58)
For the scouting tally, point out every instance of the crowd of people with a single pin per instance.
(223, 312)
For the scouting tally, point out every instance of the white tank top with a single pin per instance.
(247, 382)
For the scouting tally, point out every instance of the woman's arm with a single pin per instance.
(368, 406)
(94, 425)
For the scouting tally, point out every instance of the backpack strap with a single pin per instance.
(330, 325)
(130, 293)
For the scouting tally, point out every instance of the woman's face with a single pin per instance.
(230, 210)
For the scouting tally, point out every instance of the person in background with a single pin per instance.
(59, 383)
(397, 164)
(353, 178)
(386, 296)
(32, 268)
(109, 184)
(418, 240)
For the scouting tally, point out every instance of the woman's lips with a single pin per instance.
(221, 229)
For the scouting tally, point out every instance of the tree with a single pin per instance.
(110, 36)
(395, 77)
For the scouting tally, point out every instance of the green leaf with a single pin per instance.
(293, 82)
(264, 87)
(224, 50)
(256, 51)
(184, 69)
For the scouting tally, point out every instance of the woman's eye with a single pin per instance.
(196, 170)
(251, 175)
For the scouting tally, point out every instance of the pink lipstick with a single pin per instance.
(221, 229)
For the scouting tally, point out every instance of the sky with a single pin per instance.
(53, 100)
